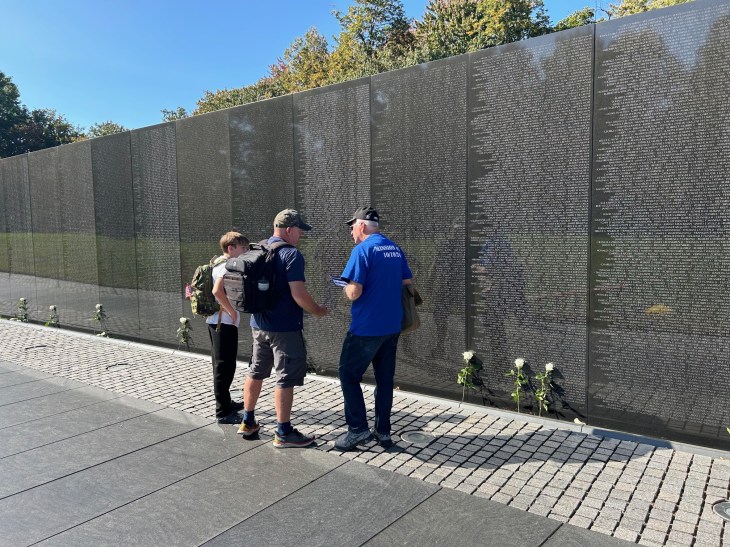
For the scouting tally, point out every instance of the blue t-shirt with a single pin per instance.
(286, 315)
(380, 266)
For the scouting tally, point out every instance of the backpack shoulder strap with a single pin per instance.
(279, 245)
(216, 260)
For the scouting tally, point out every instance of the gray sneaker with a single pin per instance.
(383, 439)
(350, 440)
(293, 439)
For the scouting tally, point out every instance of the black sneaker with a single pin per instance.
(293, 439)
(232, 418)
(236, 406)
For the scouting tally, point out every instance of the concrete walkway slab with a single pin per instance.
(207, 504)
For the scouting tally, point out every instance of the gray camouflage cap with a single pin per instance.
(289, 218)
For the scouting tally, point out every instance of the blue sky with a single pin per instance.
(125, 60)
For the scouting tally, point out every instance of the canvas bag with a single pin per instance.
(410, 299)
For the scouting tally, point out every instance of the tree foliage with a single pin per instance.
(12, 114)
(453, 27)
(375, 37)
(578, 18)
(105, 128)
(23, 130)
(171, 115)
(631, 7)
(305, 64)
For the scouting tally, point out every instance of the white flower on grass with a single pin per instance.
(549, 367)
(519, 363)
(468, 355)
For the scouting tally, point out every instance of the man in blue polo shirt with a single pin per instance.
(376, 273)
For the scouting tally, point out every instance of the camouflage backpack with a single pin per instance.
(202, 301)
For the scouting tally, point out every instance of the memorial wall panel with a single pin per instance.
(20, 232)
(660, 332)
(157, 229)
(111, 164)
(6, 305)
(332, 159)
(262, 174)
(79, 287)
(419, 188)
(529, 204)
(204, 198)
(47, 231)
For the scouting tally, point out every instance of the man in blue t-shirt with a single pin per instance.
(278, 342)
(376, 273)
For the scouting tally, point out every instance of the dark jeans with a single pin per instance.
(357, 353)
(225, 351)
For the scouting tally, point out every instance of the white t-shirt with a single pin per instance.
(218, 272)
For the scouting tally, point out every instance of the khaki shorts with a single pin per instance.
(282, 351)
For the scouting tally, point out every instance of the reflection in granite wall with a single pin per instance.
(332, 143)
(555, 204)
(79, 288)
(154, 179)
(262, 174)
(262, 164)
(419, 189)
(47, 238)
(661, 224)
(111, 165)
(14, 172)
(529, 204)
(204, 197)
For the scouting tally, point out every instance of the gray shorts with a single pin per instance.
(284, 352)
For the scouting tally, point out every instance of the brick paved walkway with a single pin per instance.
(633, 491)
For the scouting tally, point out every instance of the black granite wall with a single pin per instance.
(562, 199)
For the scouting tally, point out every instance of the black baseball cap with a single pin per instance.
(364, 213)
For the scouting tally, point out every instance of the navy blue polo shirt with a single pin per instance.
(286, 315)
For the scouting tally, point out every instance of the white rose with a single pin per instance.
(468, 355)
(549, 367)
(183, 320)
(98, 306)
(519, 363)
(52, 308)
(22, 300)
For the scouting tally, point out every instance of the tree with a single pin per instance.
(375, 24)
(12, 114)
(453, 27)
(578, 18)
(171, 115)
(631, 7)
(106, 128)
(375, 37)
(305, 64)
(506, 21)
(448, 28)
(265, 88)
(45, 128)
